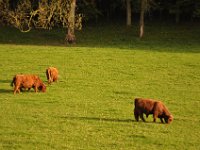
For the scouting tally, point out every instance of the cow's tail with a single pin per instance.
(136, 101)
(13, 81)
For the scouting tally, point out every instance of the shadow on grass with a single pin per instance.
(110, 120)
(158, 37)
(98, 119)
(6, 91)
(5, 81)
(23, 91)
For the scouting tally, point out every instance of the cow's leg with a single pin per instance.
(142, 117)
(50, 80)
(166, 119)
(161, 119)
(136, 115)
(154, 117)
(36, 89)
(147, 115)
(16, 89)
(50, 77)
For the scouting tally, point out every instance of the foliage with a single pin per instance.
(89, 9)
(20, 17)
(110, 9)
(196, 11)
(50, 13)
(4, 4)
(47, 15)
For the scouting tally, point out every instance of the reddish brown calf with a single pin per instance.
(27, 81)
(52, 74)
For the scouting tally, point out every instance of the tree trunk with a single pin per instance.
(128, 12)
(70, 36)
(142, 11)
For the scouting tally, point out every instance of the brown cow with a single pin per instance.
(149, 106)
(28, 81)
(52, 74)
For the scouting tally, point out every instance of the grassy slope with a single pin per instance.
(91, 105)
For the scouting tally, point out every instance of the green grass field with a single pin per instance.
(91, 105)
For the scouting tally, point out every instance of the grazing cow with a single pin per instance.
(52, 74)
(149, 106)
(27, 81)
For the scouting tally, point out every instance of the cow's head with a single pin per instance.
(169, 119)
(42, 87)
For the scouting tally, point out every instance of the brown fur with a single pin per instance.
(149, 106)
(27, 82)
(52, 74)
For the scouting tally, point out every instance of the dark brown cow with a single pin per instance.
(52, 74)
(149, 106)
(27, 82)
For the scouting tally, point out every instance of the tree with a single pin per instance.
(70, 36)
(142, 11)
(145, 5)
(196, 12)
(46, 15)
(4, 4)
(128, 13)
(184, 10)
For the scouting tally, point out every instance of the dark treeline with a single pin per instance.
(156, 10)
(70, 14)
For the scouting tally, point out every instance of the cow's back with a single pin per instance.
(144, 105)
(26, 81)
(54, 72)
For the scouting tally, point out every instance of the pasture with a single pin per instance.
(91, 105)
